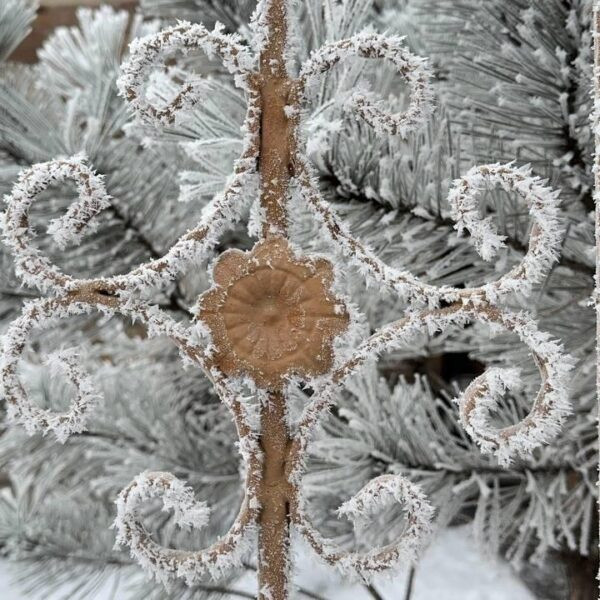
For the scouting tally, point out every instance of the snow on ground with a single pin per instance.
(452, 568)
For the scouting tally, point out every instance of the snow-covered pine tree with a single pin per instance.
(397, 418)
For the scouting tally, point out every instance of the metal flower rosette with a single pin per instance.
(273, 317)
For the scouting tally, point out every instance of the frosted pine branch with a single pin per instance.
(16, 17)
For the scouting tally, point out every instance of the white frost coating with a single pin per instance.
(259, 26)
(543, 251)
(45, 313)
(36, 269)
(227, 552)
(261, 29)
(162, 563)
(547, 412)
(385, 491)
(31, 265)
(484, 393)
(549, 409)
(165, 563)
(380, 493)
(218, 216)
(175, 495)
(402, 283)
(42, 314)
(225, 210)
(150, 51)
(543, 203)
(224, 554)
(67, 363)
(374, 45)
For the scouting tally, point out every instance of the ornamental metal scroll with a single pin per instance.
(273, 313)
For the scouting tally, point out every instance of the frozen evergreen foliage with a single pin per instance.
(15, 20)
(232, 13)
(513, 84)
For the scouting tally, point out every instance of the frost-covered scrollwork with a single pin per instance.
(380, 493)
(74, 297)
(543, 251)
(549, 409)
(546, 230)
(164, 563)
(36, 315)
(150, 51)
(257, 297)
(479, 303)
(373, 45)
(35, 268)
